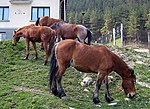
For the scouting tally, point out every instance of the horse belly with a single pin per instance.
(69, 35)
(85, 65)
(34, 39)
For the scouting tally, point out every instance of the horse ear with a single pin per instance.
(131, 70)
(15, 31)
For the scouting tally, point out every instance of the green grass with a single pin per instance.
(33, 76)
(118, 43)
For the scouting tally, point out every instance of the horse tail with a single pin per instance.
(89, 36)
(37, 21)
(53, 67)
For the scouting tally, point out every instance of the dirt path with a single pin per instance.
(28, 89)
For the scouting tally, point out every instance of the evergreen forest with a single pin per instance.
(100, 16)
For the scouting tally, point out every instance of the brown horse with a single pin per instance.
(47, 21)
(66, 30)
(34, 34)
(72, 31)
(85, 58)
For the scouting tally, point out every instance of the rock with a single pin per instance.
(142, 50)
(86, 81)
(139, 62)
(112, 104)
(138, 56)
(71, 108)
(126, 99)
(85, 90)
(131, 64)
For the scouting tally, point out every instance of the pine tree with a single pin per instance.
(93, 18)
(133, 24)
(147, 24)
(71, 17)
(107, 22)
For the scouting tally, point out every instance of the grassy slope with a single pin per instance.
(118, 43)
(32, 74)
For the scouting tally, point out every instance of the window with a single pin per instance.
(39, 12)
(2, 36)
(4, 13)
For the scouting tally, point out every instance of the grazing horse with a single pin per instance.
(72, 31)
(34, 34)
(85, 58)
(47, 21)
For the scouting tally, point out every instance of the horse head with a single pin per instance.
(16, 37)
(128, 83)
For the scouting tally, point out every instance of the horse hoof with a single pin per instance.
(35, 57)
(109, 99)
(45, 64)
(96, 100)
(55, 92)
(42, 48)
(64, 97)
(25, 58)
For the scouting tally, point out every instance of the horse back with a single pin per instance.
(43, 21)
(68, 31)
(47, 21)
(83, 57)
(39, 33)
(51, 21)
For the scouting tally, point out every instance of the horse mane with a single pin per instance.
(56, 24)
(25, 27)
(120, 66)
(37, 21)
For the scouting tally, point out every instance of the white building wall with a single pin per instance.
(20, 14)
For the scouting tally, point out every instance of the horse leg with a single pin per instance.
(100, 78)
(54, 87)
(47, 52)
(27, 48)
(107, 94)
(42, 48)
(52, 74)
(59, 38)
(60, 89)
(51, 44)
(34, 46)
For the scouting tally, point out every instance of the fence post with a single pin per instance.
(149, 41)
(0, 38)
(114, 37)
(121, 31)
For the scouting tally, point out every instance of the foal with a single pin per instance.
(35, 34)
(85, 58)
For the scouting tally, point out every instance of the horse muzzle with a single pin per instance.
(13, 44)
(131, 95)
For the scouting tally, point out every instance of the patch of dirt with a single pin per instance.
(144, 84)
(28, 89)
